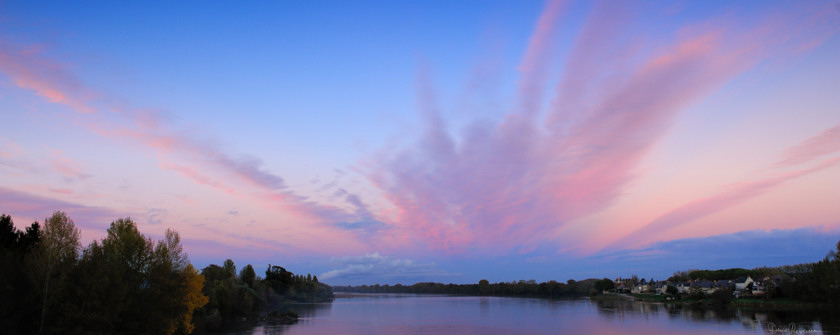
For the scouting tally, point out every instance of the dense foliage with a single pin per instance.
(128, 283)
(722, 274)
(233, 296)
(125, 283)
(522, 288)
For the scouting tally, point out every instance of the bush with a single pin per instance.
(722, 297)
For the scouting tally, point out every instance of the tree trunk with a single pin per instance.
(44, 300)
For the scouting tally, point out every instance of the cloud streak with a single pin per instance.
(819, 148)
(514, 183)
(200, 161)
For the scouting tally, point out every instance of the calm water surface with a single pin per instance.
(431, 314)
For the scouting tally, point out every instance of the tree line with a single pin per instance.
(522, 288)
(127, 283)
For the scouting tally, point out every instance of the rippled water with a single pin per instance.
(429, 314)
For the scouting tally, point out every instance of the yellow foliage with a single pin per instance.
(193, 298)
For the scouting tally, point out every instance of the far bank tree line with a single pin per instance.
(522, 288)
(127, 283)
(817, 282)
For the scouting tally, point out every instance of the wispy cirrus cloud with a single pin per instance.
(201, 161)
(497, 187)
(47, 78)
(820, 148)
(67, 168)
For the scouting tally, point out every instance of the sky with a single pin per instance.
(398, 142)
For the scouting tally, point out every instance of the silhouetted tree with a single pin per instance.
(19, 312)
(604, 285)
(248, 276)
(54, 258)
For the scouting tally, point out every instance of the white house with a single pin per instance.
(684, 287)
(741, 283)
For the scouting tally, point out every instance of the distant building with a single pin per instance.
(741, 283)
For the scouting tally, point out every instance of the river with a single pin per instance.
(464, 315)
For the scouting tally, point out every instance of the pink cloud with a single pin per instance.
(598, 49)
(734, 195)
(502, 186)
(62, 191)
(537, 58)
(197, 177)
(824, 143)
(9, 149)
(66, 167)
(820, 146)
(200, 161)
(48, 79)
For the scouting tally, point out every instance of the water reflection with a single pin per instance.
(423, 314)
(769, 321)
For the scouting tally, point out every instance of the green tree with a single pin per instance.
(604, 285)
(133, 285)
(679, 276)
(672, 290)
(823, 283)
(230, 268)
(249, 276)
(483, 287)
(54, 259)
(722, 297)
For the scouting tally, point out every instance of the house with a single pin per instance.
(741, 283)
(641, 287)
(623, 285)
(704, 286)
(660, 287)
(684, 287)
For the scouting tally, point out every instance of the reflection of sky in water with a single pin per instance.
(405, 314)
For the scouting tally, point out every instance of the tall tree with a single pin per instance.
(55, 257)
(191, 297)
(248, 275)
(19, 303)
(230, 268)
